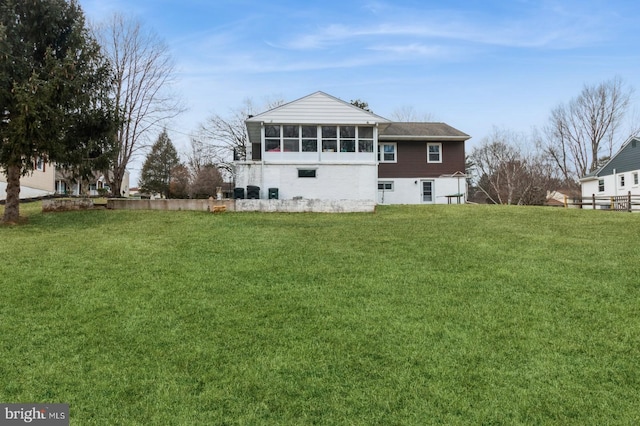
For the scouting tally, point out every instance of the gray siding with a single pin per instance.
(626, 160)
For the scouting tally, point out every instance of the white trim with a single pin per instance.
(439, 145)
(381, 152)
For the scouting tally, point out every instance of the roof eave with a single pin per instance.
(424, 138)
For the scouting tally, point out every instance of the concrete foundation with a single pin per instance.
(306, 205)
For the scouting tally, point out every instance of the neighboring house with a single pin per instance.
(39, 183)
(619, 176)
(95, 186)
(320, 147)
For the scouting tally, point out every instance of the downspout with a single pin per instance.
(262, 146)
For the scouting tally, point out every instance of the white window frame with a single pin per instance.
(387, 185)
(635, 178)
(601, 186)
(439, 145)
(39, 166)
(381, 152)
(621, 180)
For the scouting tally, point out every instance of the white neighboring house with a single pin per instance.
(619, 176)
(92, 187)
(320, 147)
(39, 183)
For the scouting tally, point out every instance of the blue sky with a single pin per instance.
(471, 64)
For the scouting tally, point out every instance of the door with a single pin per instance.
(427, 191)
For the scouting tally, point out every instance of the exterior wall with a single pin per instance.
(330, 182)
(42, 180)
(409, 190)
(612, 187)
(412, 160)
(306, 206)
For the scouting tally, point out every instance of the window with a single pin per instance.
(434, 153)
(600, 185)
(291, 138)
(329, 138)
(621, 177)
(39, 166)
(305, 138)
(635, 178)
(427, 191)
(306, 173)
(385, 186)
(387, 152)
(272, 138)
(365, 139)
(347, 138)
(309, 138)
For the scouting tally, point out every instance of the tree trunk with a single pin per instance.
(12, 206)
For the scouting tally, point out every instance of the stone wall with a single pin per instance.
(66, 204)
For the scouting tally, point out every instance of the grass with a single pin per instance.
(412, 315)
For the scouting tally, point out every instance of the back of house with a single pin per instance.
(320, 147)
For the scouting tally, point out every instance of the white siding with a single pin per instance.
(409, 191)
(611, 187)
(318, 108)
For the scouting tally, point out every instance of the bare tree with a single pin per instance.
(408, 113)
(507, 173)
(224, 139)
(206, 181)
(580, 133)
(143, 70)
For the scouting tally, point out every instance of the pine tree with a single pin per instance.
(54, 86)
(158, 166)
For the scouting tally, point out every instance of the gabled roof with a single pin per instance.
(625, 160)
(316, 108)
(422, 131)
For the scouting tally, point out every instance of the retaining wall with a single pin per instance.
(172, 204)
(248, 205)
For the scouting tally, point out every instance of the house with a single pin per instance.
(618, 176)
(39, 183)
(421, 163)
(96, 185)
(320, 147)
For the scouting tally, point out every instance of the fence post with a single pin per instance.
(629, 201)
(593, 201)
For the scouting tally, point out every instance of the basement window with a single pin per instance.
(306, 173)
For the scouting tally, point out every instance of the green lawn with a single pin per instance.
(412, 315)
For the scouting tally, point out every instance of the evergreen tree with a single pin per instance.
(158, 166)
(54, 86)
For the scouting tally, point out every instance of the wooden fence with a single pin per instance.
(625, 203)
